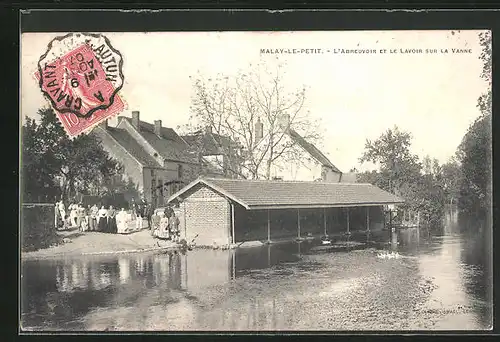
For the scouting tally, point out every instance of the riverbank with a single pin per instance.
(75, 244)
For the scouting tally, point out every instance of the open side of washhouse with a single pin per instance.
(229, 211)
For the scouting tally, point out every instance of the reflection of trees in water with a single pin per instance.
(476, 252)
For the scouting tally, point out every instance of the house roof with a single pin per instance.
(131, 145)
(170, 146)
(264, 194)
(209, 142)
(312, 150)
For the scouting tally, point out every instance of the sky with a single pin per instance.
(355, 96)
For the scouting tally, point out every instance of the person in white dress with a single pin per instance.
(163, 231)
(73, 215)
(121, 221)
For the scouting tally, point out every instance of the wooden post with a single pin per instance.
(268, 226)
(298, 223)
(232, 224)
(348, 220)
(324, 220)
(368, 219)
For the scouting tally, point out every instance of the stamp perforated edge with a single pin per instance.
(88, 129)
(94, 35)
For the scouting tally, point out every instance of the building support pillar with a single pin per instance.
(324, 221)
(348, 227)
(233, 239)
(268, 226)
(298, 223)
(368, 219)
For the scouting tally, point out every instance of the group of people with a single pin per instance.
(89, 218)
(109, 220)
(168, 226)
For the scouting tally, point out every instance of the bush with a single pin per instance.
(37, 226)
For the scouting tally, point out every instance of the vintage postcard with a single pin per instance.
(256, 181)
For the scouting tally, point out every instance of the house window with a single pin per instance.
(179, 171)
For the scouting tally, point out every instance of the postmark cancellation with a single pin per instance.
(81, 76)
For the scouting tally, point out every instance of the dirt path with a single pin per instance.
(94, 243)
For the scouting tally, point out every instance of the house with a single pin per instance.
(219, 151)
(314, 165)
(229, 211)
(155, 157)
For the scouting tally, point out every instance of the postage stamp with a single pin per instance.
(81, 75)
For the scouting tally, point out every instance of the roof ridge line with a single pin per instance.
(280, 181)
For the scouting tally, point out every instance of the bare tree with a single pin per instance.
(257, 115)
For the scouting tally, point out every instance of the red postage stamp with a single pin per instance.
(81, 76)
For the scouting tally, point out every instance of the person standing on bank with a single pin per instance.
(111, 220)
(102, 216)
(149, 215)
(94, 212)
(62, 212)
(174, 227)
(163, 231)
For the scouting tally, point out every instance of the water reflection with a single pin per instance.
(286, 286)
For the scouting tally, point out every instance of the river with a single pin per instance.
(436, 283)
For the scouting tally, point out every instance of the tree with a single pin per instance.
(452, 174)
(256, 113)
(38, 166)
(474, 152)
(52, 160)
(401, 172)
(392, 154)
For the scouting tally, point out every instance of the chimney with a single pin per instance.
(259, 130)
(135, 119)
(284, 121)
(158, 128)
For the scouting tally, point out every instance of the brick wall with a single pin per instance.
(208, 215)
(132, 168)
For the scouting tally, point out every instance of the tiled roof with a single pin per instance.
(312, 150)
(209, 142)
(262, 194)
(129, 143)
(170, 146)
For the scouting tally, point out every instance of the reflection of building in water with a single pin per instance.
(124, 265)
(174, 262)
(140, 265)
(208, 267)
